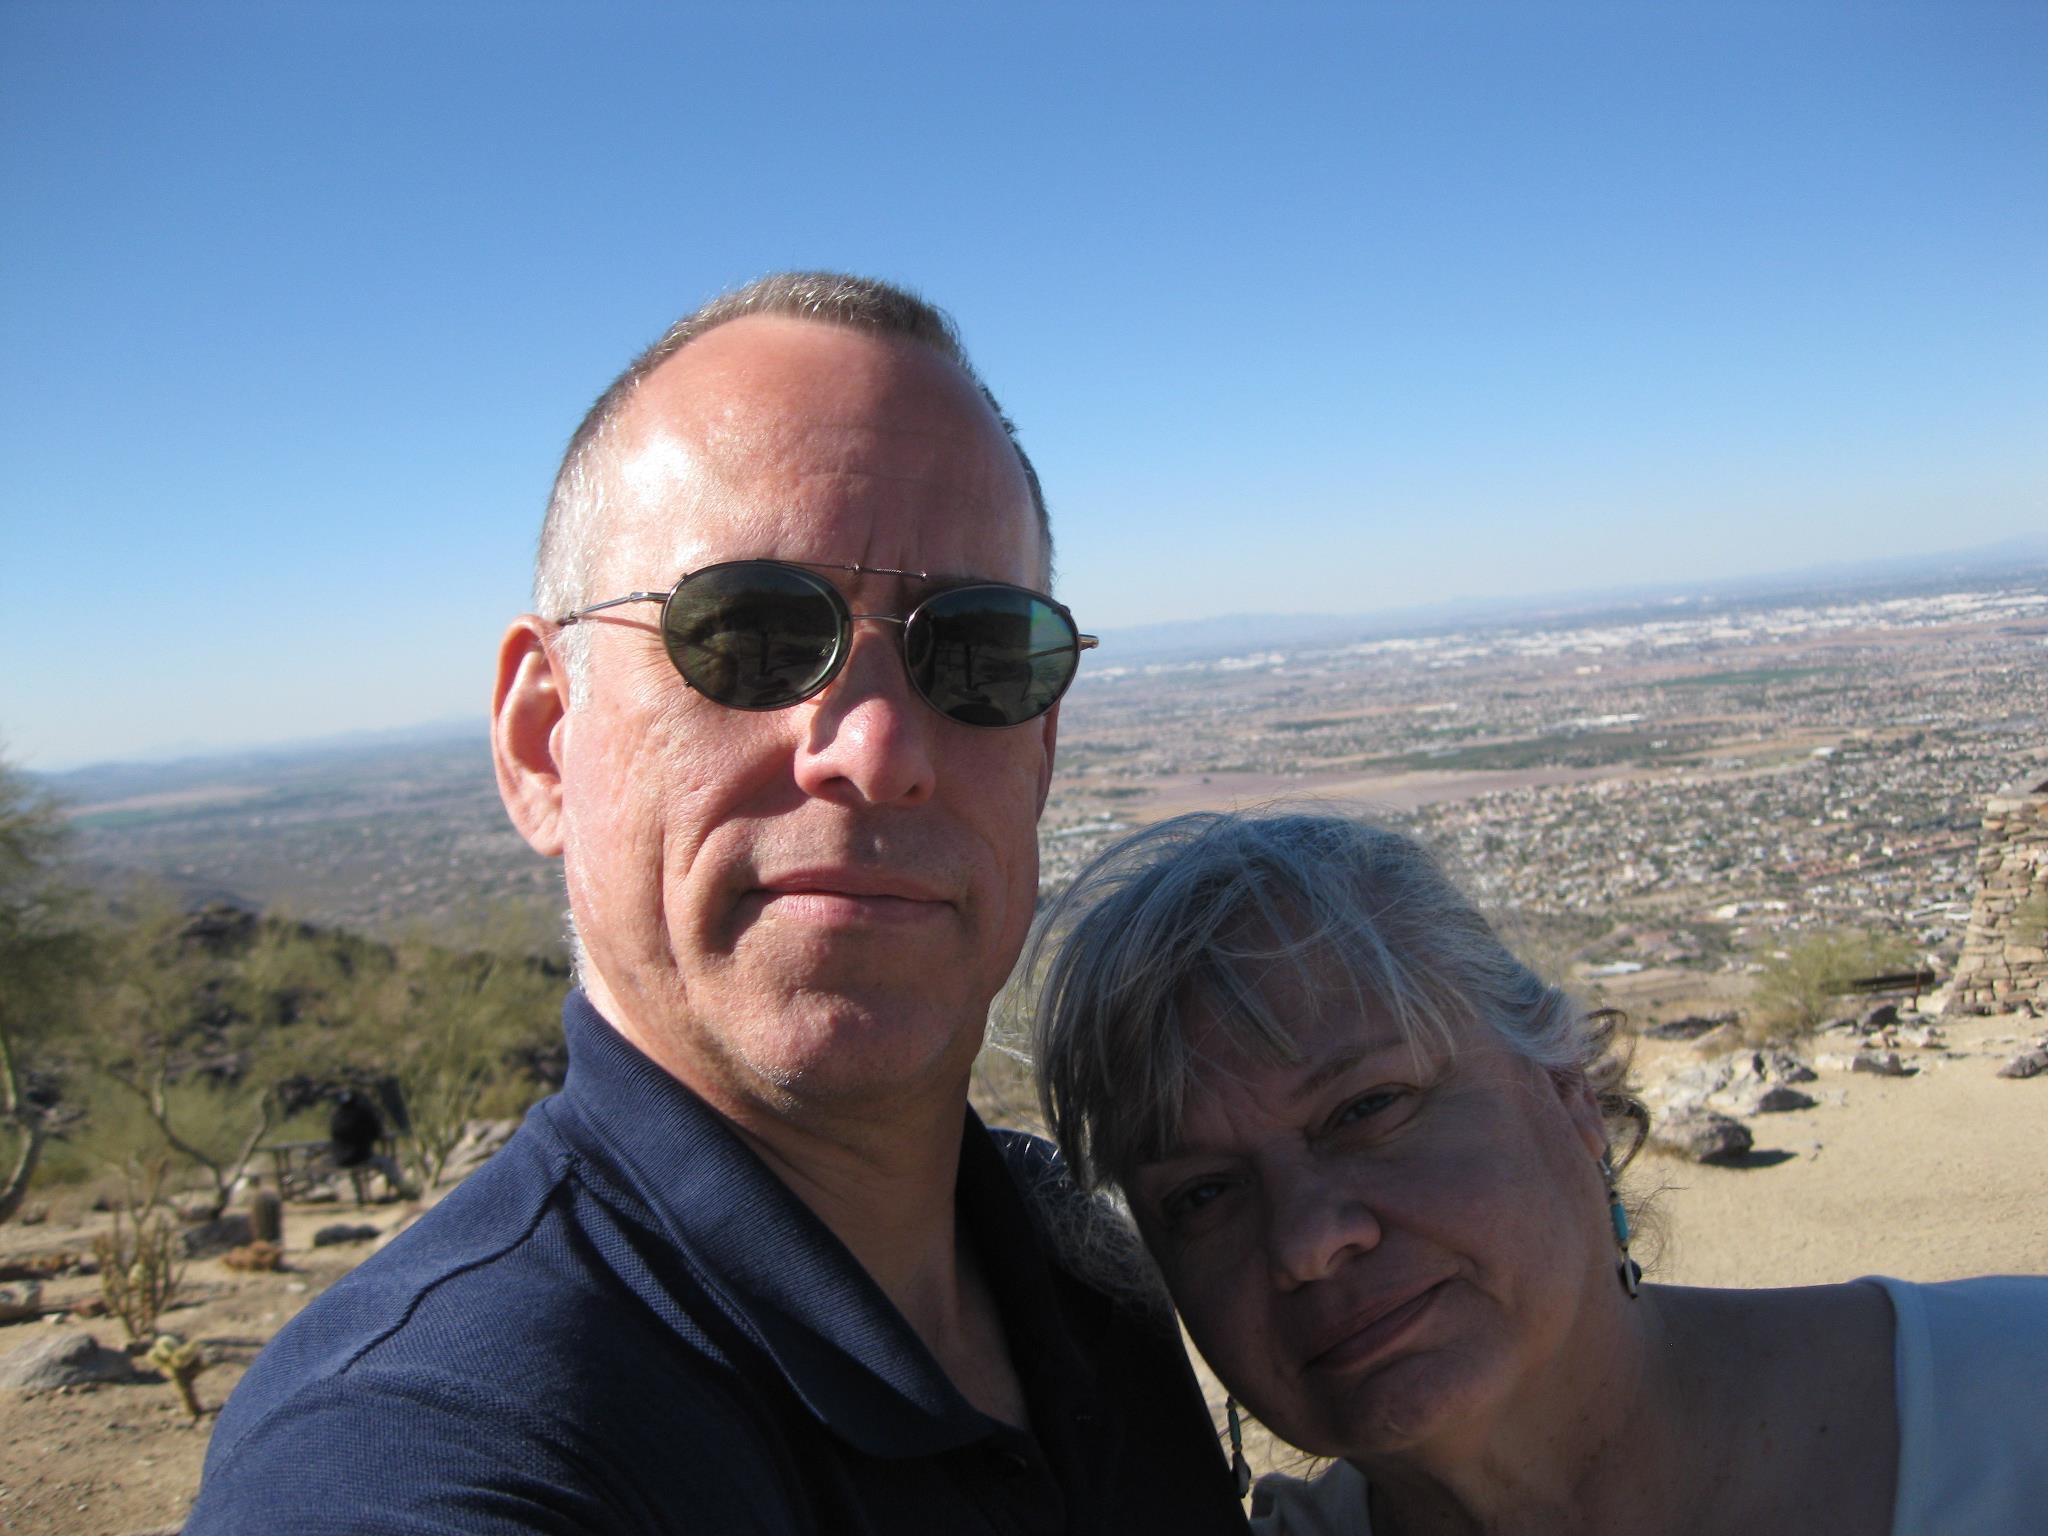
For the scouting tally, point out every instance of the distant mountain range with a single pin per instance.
(1195, 639)
(1192, 639)
(101, 783)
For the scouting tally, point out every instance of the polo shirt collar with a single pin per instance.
(785, 1278)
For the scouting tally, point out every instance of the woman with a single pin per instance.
(1374, 1156)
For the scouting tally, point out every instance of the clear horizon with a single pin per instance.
(1307, 310)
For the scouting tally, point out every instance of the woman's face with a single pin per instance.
(1383, 1245)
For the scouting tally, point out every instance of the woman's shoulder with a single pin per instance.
(1332, 1503)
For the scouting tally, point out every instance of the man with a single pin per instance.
(746, 1272)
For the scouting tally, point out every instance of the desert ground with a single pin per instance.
(1928, 1176)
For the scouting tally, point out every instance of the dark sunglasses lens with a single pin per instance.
(754, 635)
(992, 655)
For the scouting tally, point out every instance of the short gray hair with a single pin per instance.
(578, 506)
(1204, 911)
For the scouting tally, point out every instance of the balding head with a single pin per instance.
(587, 494)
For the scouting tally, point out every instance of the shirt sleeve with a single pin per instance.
(1972, 1397)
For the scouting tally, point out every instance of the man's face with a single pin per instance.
(814, 904)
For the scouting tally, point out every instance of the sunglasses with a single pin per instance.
(765, 634)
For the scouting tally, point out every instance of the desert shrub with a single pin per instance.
(453, 1029)
(1802, 987)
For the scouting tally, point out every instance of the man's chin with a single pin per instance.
(837, 1051)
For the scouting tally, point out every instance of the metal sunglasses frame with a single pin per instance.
(1082, 642)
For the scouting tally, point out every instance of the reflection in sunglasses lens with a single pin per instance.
(753, 635)
(990, 655)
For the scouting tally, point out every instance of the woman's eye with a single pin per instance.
(1366, 1107)
(1190, 1200)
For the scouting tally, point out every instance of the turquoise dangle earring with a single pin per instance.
(1240, 1469)
(1630, 1271)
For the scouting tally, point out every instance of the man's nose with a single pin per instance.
(1316, 1222)
(868, 736)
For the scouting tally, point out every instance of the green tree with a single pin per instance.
(454, 1028)
(47, 946)
(165, 989)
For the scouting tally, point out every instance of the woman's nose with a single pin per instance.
(1316, 1224)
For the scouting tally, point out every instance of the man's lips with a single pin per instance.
(1357, 1339)
(850, 895)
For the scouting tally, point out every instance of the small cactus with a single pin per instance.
(182, 1362)
(266, 1217)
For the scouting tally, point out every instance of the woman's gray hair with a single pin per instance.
(1196, 917)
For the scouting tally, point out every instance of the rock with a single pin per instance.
(42, 1266)
(259, 1255)
(1881, 1063)
(344, 1232)
(1689, 1028)
(1722, 1037)
(1774, 1098)
(1883, 1016)
(1781, 1066)
(1691, 1085)
(19, 1302)
(1701, 1135)
(1926, 1039)
(217, 1236)
(2026, 1064)
(64, 1359)
(1742, 1083)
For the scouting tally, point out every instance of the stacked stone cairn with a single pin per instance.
(2004, 964)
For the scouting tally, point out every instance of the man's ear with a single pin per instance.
(528, 709)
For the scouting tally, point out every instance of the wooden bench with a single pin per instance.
(1906, 984)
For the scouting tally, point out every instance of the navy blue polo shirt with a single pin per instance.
(624, 1322)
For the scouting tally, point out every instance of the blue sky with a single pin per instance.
(1300, 308)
